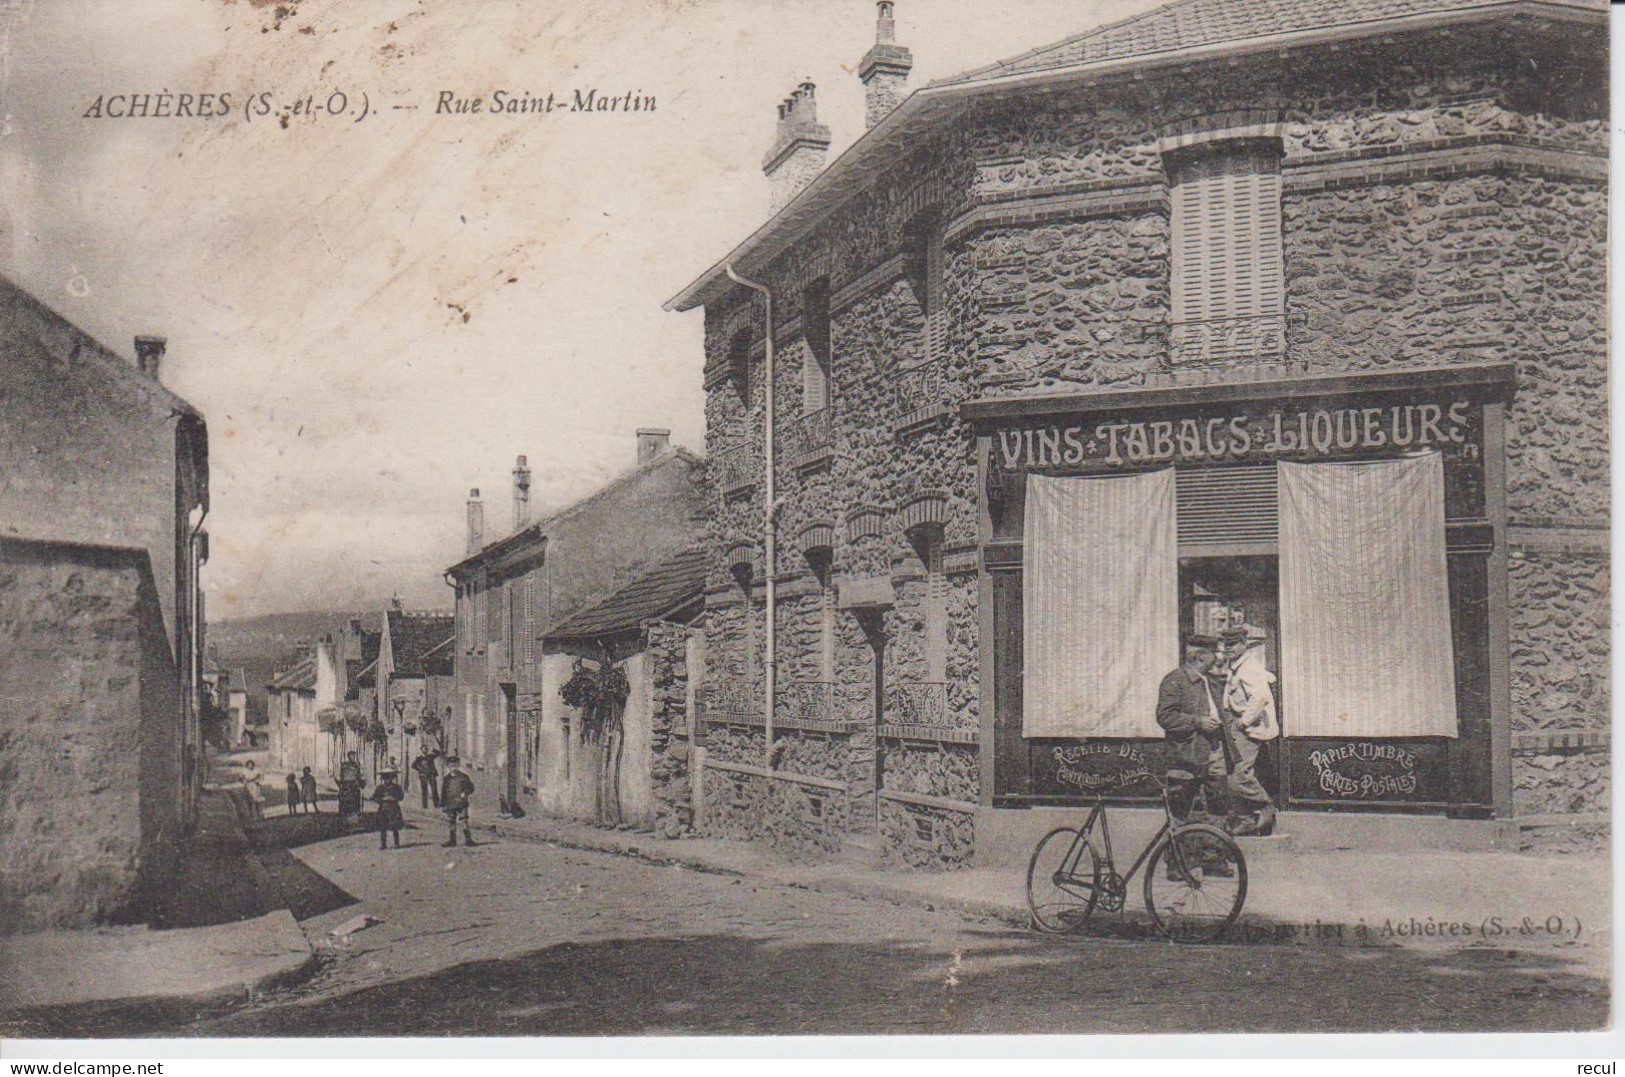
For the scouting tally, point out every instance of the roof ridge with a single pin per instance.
(539, 527)
(1010, 61)
(640, 574)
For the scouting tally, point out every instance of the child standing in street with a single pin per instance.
(293, 794)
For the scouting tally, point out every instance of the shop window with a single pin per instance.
(815, 361)
(1226, 201)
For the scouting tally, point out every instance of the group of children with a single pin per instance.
(302, 793)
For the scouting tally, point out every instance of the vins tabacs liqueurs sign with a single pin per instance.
(1235, 438)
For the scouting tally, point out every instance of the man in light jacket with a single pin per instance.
(1249, 711)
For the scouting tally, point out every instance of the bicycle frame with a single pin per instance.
(1098, 814)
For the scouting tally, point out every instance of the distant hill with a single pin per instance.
(267, 638)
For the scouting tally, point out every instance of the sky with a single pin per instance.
(377, 314)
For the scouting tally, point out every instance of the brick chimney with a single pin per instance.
(521, 493)
(149, 355)
(799, 146)
(652, 441)
(884, 68)
(476, 522)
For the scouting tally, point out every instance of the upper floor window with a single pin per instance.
(925, 258)
(739, 365)
(1227, 290)
(815, 361)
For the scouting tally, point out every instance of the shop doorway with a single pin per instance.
(1219, 593)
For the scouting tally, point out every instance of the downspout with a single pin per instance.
(768, 512)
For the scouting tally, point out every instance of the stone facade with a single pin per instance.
(90, 754)
(1440, 205)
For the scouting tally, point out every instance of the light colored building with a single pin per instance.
(511, 591)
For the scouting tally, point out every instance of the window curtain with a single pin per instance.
(1365, 600)
(1100, 598)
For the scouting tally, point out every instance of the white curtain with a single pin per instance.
(1100, 604)
(1365, 600)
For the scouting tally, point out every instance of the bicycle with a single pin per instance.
(1195, 884)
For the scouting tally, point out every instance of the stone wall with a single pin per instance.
(670, 730)
(1560, 642)
(90, 736)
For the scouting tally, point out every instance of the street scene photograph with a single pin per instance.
(773, 518)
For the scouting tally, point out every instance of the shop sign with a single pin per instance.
(1093, 768)
(1304, 433)
(1364, 770)
(1370, 771)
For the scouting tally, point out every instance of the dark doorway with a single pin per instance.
(1218, 593)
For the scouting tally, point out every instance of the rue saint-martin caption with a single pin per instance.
(354, 105)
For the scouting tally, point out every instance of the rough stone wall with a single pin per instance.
(1561, 782)
(1559, 607)
(803, 822)
(1474, 269)
(89, 736)
(670, 730)
(942, 770)
(925, 839)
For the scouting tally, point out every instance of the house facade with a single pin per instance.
(1290, 317)
(616, 759)
(414, 647)
(101, 514)
(305, 717)
(511, 591)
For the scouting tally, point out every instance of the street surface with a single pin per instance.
(513, 938)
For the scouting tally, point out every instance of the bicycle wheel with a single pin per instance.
(1195, 883)
(1062, 882)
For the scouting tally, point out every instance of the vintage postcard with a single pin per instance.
(773, 517)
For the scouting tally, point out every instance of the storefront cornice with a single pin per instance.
(1497, 380)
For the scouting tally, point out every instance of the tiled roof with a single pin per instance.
(657, 592)
(439, 661)
(301, 677)
(1190, 24)
(413, 635)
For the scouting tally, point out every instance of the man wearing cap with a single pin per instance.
(455, 792)
(1249, 712)
(1189, 717)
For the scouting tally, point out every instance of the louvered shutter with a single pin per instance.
(530, 621)
(1220, 506)
(1227, 236)
(814, 382)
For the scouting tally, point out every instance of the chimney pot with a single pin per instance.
(800, 145)
(149, 354)
(885, 68)
(652, 441)
(521, 493)
(476, 522)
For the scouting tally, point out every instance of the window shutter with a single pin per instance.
(530, 621)
(1226, 221)
(1223, 505)
(814, 383)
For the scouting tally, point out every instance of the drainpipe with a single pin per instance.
(767, 517)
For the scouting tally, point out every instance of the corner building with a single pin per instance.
(1291, 315)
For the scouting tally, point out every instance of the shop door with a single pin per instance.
(1220, 593)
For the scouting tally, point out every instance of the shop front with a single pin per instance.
(1355, 522)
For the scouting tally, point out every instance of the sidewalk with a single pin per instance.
(217, 933)
(1493, 900)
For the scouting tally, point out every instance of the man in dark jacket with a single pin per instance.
(428, 779)
(1189, 716)
(454, 796)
